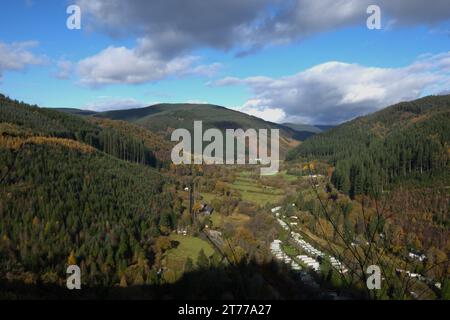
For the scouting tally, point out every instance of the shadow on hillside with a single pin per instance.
(246, 282)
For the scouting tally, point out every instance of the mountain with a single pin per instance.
(164, 118)
(324, 127)
(120, 139)
(159, 146)
(77, 192)
(76, 111)
(83, 190)
(410, 140)
(300, 127)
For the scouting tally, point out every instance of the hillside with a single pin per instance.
(164, 118)
(406, 141)
(303, 127)
(107, 138)
(307, 128)
(159, 146)
(74, 190)
(63, 199)
(76, 111)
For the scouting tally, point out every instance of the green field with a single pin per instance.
(208, 197)
(254, 189)
(216, 219)
(188, 246)
(260, 194)
(287, 177)
(236, 219)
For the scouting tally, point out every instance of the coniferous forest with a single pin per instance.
(72, 192)
(405, 143)
(100, 193)
(223, 150)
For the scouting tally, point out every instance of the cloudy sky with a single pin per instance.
(283, 60)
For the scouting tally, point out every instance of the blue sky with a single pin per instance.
(306, 63)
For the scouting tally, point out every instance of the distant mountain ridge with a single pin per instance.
(164, 118)
(75, 111)
(232, 117)
(308, 128)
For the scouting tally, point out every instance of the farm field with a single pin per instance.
(187, 247)
(255, 192)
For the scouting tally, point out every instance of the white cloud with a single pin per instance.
(110, 103)
(120, 65)
(168, 31)
(333, 92)
(257, 108)
(206, 70)
(64, 69)
(17, 56)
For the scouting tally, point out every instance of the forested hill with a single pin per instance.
(47, 122)
(161, 117)
(410, 140)
(314, 129)
(164, 118)
(69, 196)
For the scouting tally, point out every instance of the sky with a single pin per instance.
(302, 61)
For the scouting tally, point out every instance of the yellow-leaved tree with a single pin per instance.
(72, 260)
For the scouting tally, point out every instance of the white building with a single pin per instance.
(420, 257)
(276, 209)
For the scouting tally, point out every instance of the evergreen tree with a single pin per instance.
(202, 260)
(188, 265)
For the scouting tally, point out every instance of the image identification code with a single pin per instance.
(226, 309)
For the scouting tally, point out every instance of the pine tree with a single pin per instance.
(202, 260)
(188, 265)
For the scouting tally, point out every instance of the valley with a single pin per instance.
(99, 190)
